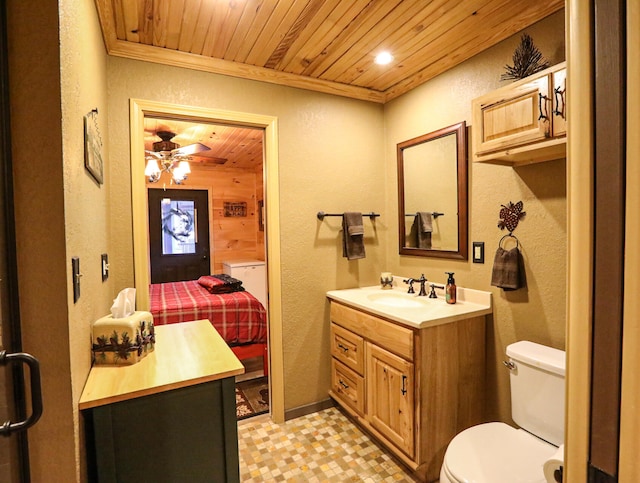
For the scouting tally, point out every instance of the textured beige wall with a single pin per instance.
(330, 159)
(60, 212)
(536, 313)
(87, 203)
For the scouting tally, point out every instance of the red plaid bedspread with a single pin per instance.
(239, 317)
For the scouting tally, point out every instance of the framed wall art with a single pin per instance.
(93, 146)
(235, 208)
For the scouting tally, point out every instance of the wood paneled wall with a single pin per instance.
(230, 238)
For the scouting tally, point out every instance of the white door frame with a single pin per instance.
(141, 108)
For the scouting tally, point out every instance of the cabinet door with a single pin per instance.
(390, 397)
(559, 102)
(512, 116)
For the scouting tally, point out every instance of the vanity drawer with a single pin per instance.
(347, 386)
(348, 348)
(393, 337)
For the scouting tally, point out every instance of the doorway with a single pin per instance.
(140, 109)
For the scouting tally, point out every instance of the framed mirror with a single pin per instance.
(432, 194)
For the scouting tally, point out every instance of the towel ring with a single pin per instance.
(511, 236)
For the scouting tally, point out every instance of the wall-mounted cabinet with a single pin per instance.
(524, 122)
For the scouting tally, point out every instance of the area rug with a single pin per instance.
(252, 397)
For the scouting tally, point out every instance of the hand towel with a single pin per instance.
(426, 224)
(423, 226)
(352, 236)
(507, 266)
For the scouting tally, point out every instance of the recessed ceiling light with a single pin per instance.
(384, 58)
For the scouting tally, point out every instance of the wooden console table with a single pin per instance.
(169, 418)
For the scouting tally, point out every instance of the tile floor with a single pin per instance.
(319, 447)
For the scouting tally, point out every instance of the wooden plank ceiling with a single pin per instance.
(229, 146)
(322, 45)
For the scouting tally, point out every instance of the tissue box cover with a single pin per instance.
(123, 341)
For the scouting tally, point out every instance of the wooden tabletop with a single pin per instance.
(185, 354)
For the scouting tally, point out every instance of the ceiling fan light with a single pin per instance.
(152, 169)
(184, 167)
(178, 175)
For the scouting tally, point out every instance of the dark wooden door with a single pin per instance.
(14, 450)
(178, 234)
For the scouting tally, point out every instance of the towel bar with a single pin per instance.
(435, 214)
(322, 214)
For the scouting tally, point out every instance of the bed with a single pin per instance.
(238, 316)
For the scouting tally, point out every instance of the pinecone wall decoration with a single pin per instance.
(527, 60)
(510, 215)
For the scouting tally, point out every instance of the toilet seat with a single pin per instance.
(495, 453)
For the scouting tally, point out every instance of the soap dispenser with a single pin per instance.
(450, 291)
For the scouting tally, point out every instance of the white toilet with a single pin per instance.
(499, 453)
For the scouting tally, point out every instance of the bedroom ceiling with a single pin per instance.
(322, 45)
(230, 146)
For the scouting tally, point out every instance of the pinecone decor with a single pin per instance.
(527, 60)
(510, 215)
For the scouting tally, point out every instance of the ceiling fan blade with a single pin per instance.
(191, 149)
(153, 153)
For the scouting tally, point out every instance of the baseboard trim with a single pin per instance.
(308, 409)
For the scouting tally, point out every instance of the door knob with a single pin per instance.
(36, 392)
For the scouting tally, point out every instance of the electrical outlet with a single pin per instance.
(104, 263)
(75, 276)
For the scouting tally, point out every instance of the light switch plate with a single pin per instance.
(75, 276)
(104, 266)
(478, 252)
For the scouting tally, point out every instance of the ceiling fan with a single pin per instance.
(173, 158)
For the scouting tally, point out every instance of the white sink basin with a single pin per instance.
(395, 299)
(412, 310)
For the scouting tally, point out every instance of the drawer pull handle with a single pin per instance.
(344, 348)
(343, 384)
(404, 384)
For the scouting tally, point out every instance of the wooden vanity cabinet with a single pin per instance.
(523, 122)
(412, 389)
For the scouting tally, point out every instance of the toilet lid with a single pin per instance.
(497, 453)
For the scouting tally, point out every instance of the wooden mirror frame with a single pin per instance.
(462, 253)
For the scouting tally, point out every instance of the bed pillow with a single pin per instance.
(221, 283)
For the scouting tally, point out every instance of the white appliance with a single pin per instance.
(253, 274)
(499, 453)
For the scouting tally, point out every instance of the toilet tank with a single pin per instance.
(537, 389)
(253, 274)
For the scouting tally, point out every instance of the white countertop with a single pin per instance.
(413, 310)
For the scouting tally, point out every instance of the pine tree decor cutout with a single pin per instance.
(527, 60)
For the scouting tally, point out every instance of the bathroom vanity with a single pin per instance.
(409, 370)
